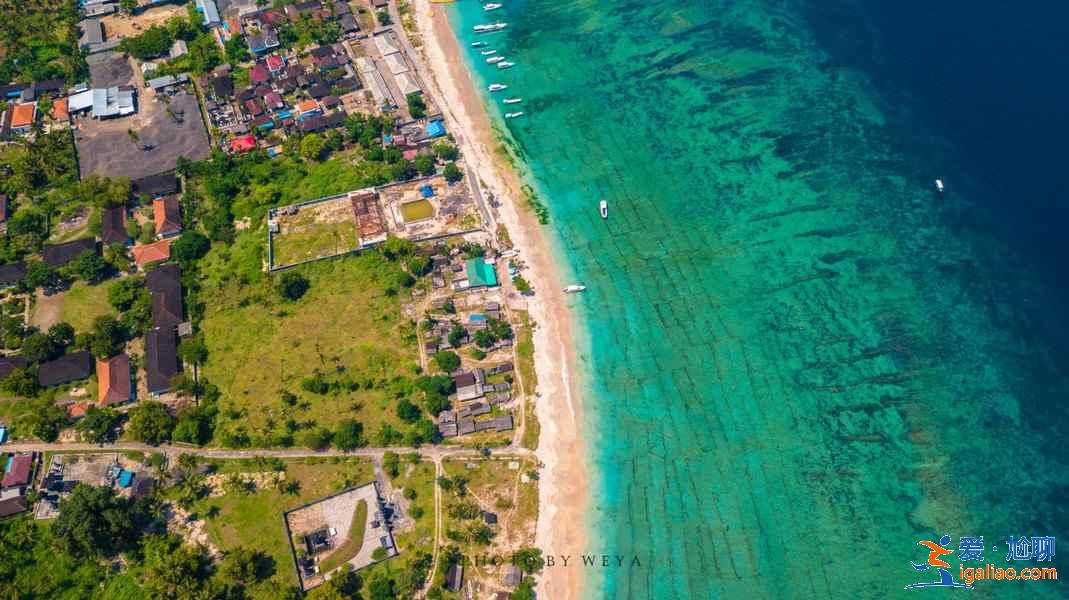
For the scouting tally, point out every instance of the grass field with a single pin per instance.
(353, 543)
(254, 520)
(326, 229)
(80, 305)
(417, 211)
(526, 370)
(347, 327)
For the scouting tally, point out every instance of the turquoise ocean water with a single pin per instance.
(798, 359)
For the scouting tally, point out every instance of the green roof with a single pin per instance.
(481, 273)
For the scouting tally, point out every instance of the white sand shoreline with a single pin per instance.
(563, 479)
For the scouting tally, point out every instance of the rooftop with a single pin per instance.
(65, 369)
(113, 380)
(146, 254)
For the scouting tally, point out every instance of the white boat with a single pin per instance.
(495, 59)
(513, 100)
(496, 87)
(489, 27)
(939, 185)
(488, 52)
(478, 44)
(604, 208)
(506, 65)
(513, 115)
(491, 6)
(575, 288)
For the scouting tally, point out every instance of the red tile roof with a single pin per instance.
(165, 213)
(258, 74)
(23, 115)
(113, 380)
(243, 143)
(19, 471)
(145, 254)
(59, 110)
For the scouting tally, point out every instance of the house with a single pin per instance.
(231, 27)
(210, 12)
(470, 385)
(166, 215)
(13, 505)
(146, 254)
(454, 577)
(155, 186)
(77, 410)
(59, 110)
(222, 88)
(379, 4)
(10, 275)
(113, 225)
(273, 101)
(253, 108)
(113, 380)
(488, 517)
(115, 101)
(61, 254)
(9, 363)
(259, 74)
(65, 369)
(92, 33)
(348, 24)
(308, 108)
(275, 63)
(243, 143)
(263, 42)
(23, 116)
(165, 285)
(161, 359)
(480, 273)
(166, 83)
(17, 471)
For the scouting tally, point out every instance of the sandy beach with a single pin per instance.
(563, 480)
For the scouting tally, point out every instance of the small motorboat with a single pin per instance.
(496, 87)
(489, 27)
(478, 44)
(495, 59)
(603, 206)
(939, 186)
(506, 65)
(575, 288)
(513, 100)
(488, 52)
(513, 115)
(492, 6)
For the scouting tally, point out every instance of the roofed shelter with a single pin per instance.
(480, 273)
(113, 380)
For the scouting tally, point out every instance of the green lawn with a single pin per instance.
(353, 543)
(529, 379)
(255, 520)
(83, 303)
(346, 327)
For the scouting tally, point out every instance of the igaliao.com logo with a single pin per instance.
(971, 548)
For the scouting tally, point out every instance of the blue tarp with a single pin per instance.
(435, 129)
(267, 125)
(387, 139)
(3, 434)
(126, 478)
(426, 191)
(284, 114)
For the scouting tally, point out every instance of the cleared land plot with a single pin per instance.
(315, 231)
(452, 207)
(106, 148)
(120, 25)
(108, 69)
(498, 486)
(345, 326)
(255, 520)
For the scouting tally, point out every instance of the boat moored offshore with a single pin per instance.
(506, 65)
(489, 27)
(495, 59)
(491, 6)
(488, 52)
(575, 288)
(513, 100)
(478, 44)
(603, 207)
(939, 186)
(496, 87)
(513, 115)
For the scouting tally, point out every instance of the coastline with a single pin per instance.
(562, 494)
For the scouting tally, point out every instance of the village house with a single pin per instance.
(161, 360)
(113, 225)
(470, 384)
(156, 186)
(11, 274)
(113, 380)
(23, 116)
(60, 254)
(146, 254)
(165, 212)
(65, 369)
(165, 285)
